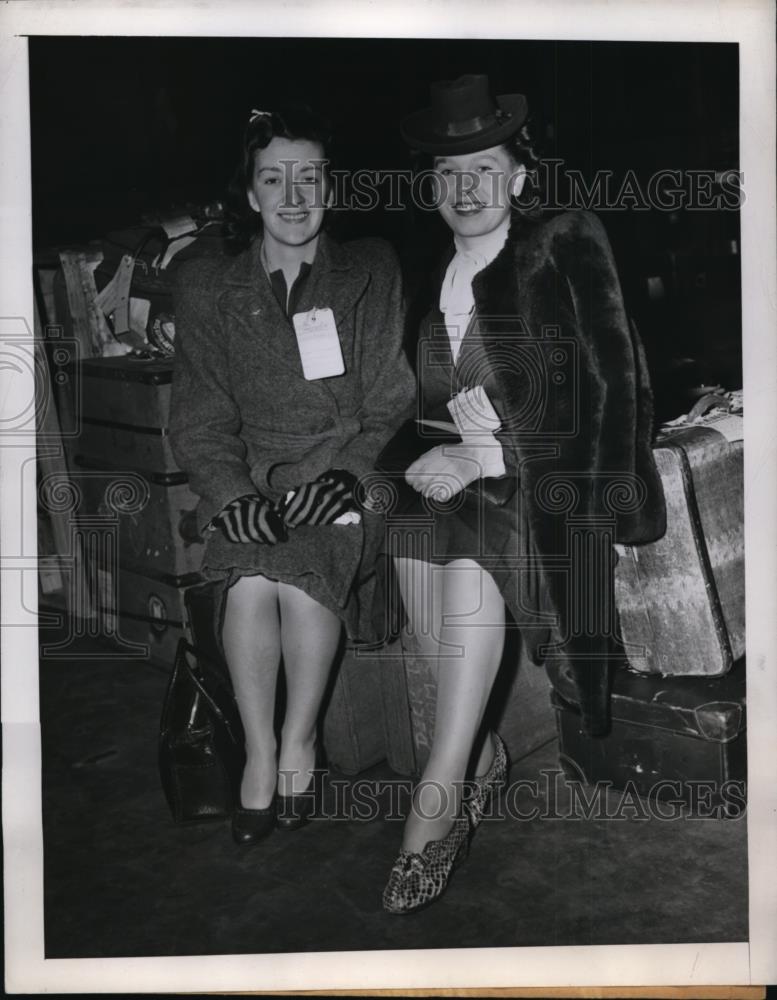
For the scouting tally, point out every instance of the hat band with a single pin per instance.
(471, 125)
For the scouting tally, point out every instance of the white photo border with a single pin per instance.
(748, 22)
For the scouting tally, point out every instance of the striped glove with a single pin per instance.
(323, 500)
(251, 518)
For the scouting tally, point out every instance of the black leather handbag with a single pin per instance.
(201, 743)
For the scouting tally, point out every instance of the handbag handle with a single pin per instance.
(184, 648)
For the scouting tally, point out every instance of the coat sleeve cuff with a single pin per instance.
(210, 507)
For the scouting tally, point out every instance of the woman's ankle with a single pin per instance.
(296, 762)
(436, 805)
(260, 776)
(487, 753)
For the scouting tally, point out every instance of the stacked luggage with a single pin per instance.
(143, 549)
(130, 481)
(679, 710)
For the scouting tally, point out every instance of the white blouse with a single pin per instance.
(456, 299)
(457, 304)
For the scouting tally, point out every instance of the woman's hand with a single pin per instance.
(323, 500)
(445, 470)
(251, 518)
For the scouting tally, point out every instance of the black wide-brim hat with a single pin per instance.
(464, 118)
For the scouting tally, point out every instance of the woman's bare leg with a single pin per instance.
(252, 647)
(420, 584)
(310, 636)
(472, 619)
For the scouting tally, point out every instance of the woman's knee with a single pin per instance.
(471, 595)
(252, 593)
(296, 602)
(419, 585)
(251, 611)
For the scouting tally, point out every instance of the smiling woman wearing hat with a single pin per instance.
(536, 388)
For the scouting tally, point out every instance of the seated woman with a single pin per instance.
(290, 377)
(528, 355)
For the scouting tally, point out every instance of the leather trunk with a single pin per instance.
(680, 738)
(148, 611)
(681, 600)
(125, 438)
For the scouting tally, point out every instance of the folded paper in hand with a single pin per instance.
(474, 414)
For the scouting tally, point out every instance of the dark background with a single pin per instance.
(122, 127)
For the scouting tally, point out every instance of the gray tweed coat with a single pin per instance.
(245, 419)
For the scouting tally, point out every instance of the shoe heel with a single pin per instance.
(463, 852)
(461, 856)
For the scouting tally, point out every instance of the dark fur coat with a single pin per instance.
(577, 413)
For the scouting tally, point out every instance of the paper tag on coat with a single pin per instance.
(473, 413)
(318, 343)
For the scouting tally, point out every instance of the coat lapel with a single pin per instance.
(497, 288)
(249, 298)
(336, 281)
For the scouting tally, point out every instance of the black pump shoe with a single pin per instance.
(295, 810)
(249, 826)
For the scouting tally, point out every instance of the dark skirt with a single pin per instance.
(334, 564)
(497, 538)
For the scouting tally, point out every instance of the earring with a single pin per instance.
(517, 185)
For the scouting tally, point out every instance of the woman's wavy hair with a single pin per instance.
(293, 120)
(523, 149)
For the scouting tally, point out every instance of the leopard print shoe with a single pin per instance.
(416, 880)
(488, 784)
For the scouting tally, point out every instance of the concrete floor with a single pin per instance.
(121, 879)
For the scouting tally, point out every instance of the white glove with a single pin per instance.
(448, 469)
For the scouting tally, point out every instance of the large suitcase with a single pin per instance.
(126, 412)
(519, 708)
(126, 417)
(679, 738)
(681, 600)
(355, 730)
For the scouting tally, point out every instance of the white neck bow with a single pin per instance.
(456, 292)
